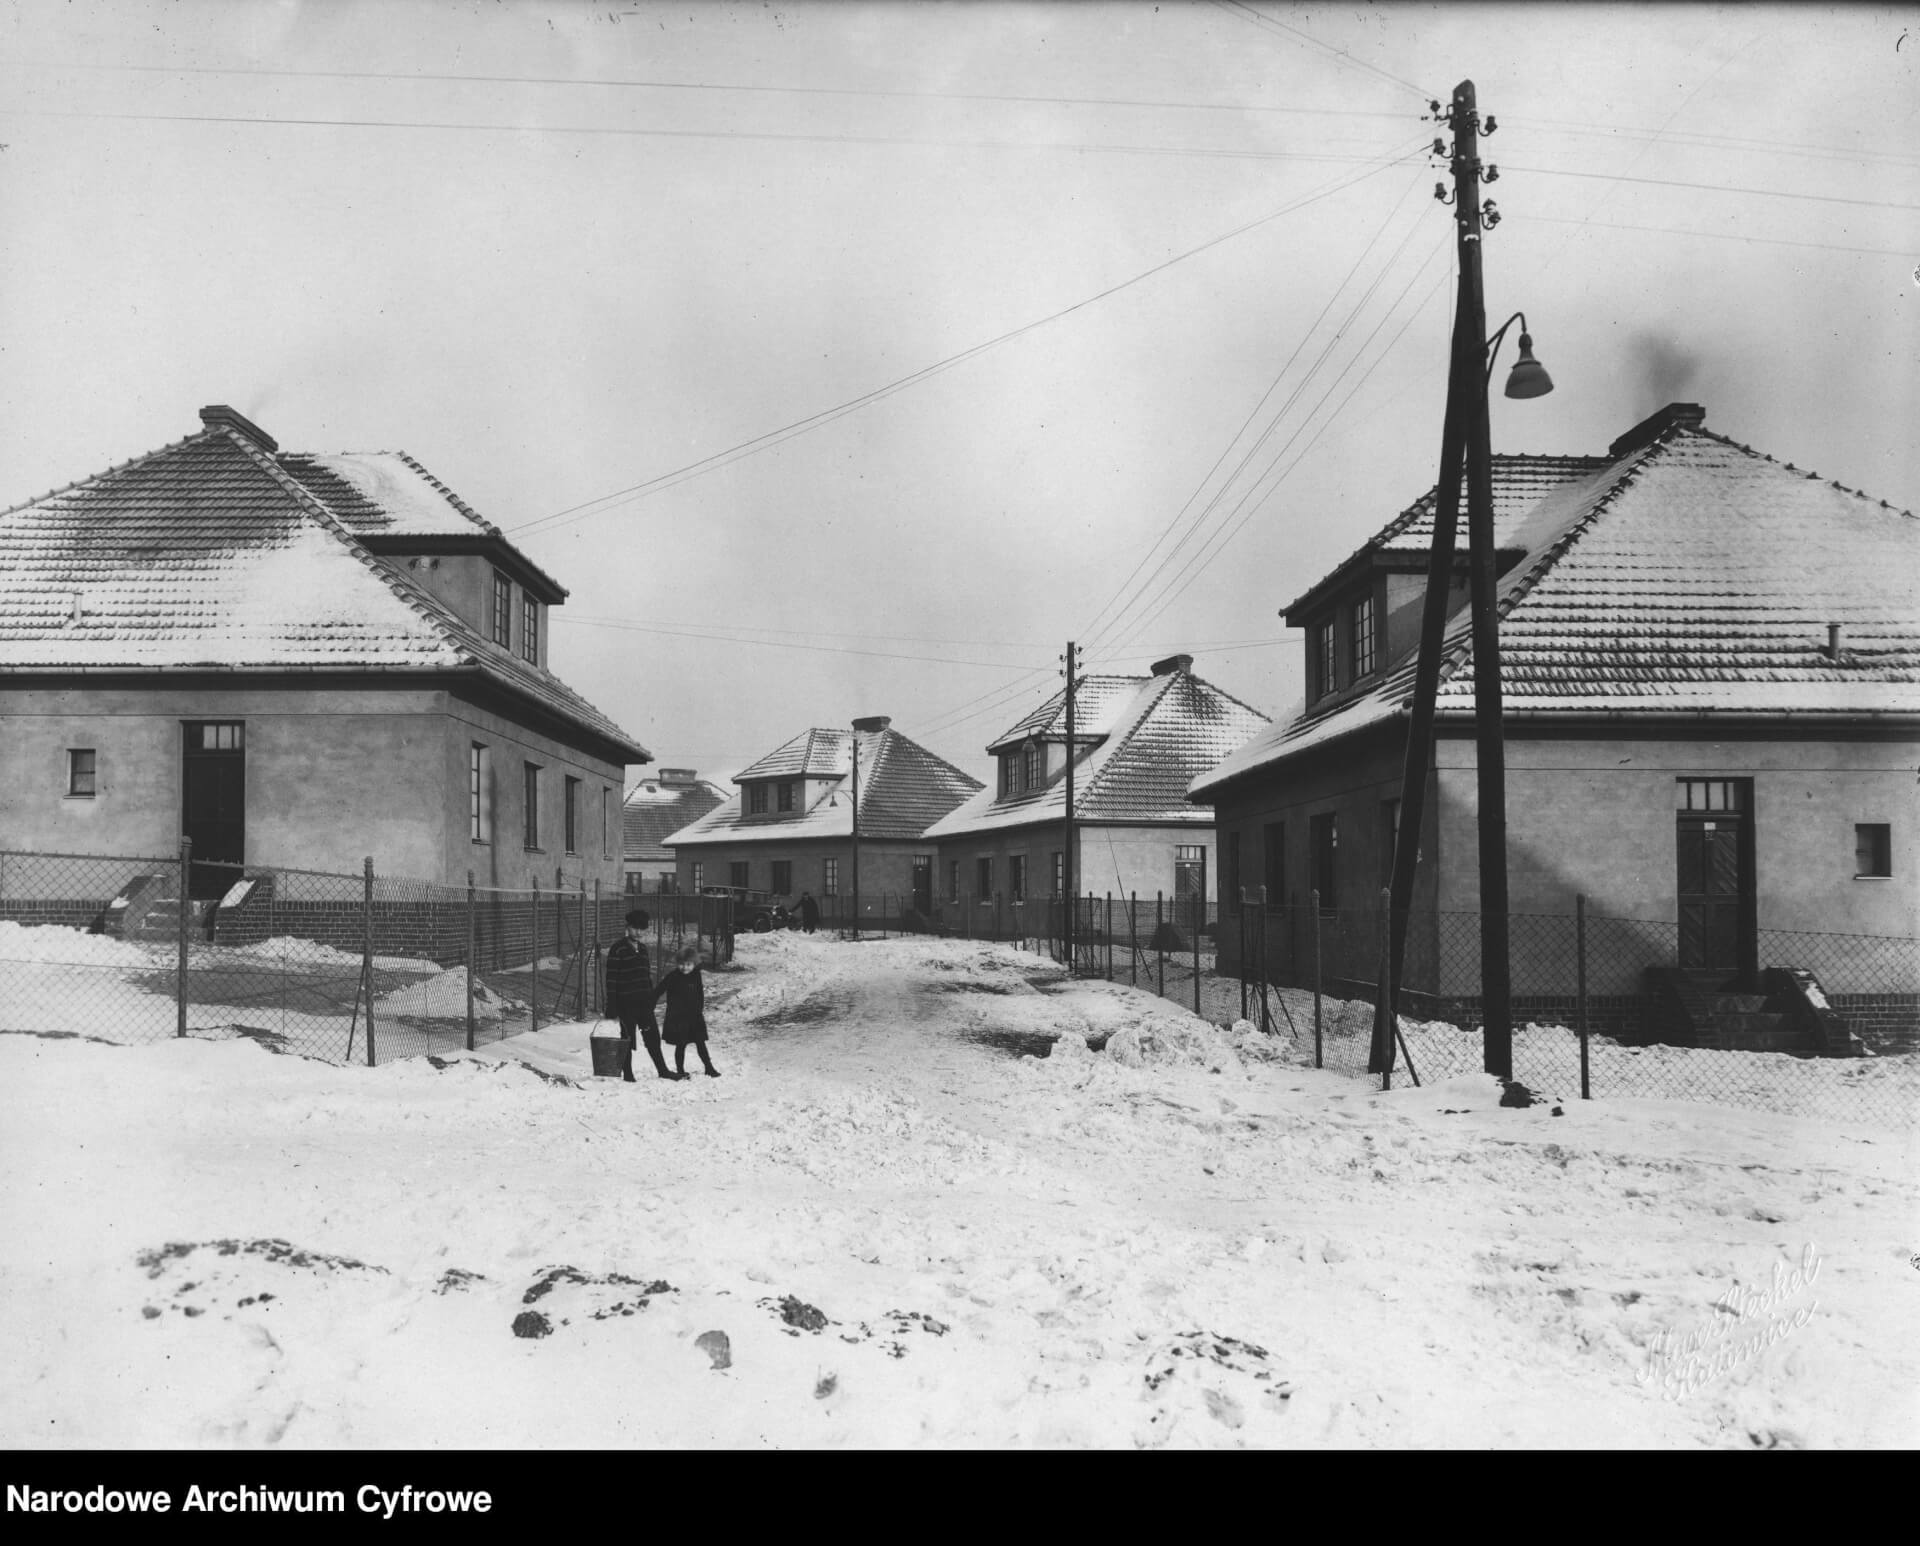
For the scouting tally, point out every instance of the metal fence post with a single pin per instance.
(533, 945)
(469, 974)
(180, 972)
(1580, 986)
(1199, 923)
(1159, 944)
(1315, 904)
(580, 955)
(366, 958)
(1109, 929)
(598, 1006)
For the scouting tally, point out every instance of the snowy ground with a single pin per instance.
(912, 1231)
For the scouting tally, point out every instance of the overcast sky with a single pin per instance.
(1179, 266)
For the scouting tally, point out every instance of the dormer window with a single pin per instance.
(1030, 765)
(756, 799)
(786, 795)
(1363, 638)
(530, 630)
(1324, 679)
(1009, 761)
(502, 610)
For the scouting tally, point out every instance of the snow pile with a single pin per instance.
(292, 951)
(861, 1136)
(442, 996)
(55, 945)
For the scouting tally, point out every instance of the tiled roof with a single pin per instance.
(1098, 703)
(1694, 576)
(903, 789)
(1519, 483)
(654, 811)
(209, 554)
(1159, 736)
(386, 493)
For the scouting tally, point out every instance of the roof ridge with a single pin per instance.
(117, 467)
(452, 498)
(331, 523)
(1115, 749)
(1742, 446)
(1631, 466)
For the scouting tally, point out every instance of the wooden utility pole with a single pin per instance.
(1066, 852)
(856, 831)
(1465, 448)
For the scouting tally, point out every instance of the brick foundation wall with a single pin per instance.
(70, 913)
(1889, 1023)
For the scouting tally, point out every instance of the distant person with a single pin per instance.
(809, 912)
(686, 994)
(630, 994)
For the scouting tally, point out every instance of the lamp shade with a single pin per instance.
(1529, 377)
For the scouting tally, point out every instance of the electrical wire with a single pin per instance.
(1248, 13)
(1142, 597)
(1092, 630)
(787, 644)
(602, 504)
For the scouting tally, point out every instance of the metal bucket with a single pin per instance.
(609, 1055)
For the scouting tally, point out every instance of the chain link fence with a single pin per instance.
(347, 968)
(1811, 1024)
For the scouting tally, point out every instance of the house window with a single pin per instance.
(983, 879)
(786, 794)
(1017, 878)
(1008, 762)
(782, 877)
(1363, 637)
(737, 874)
(1059, 870)
(830, 878)
(1389, 838)
(502, 610)
(1324, 836)
(1873, 851)
(606, 822)
(1275, 867)
(573, 815)
(1323, 663)
(217, 738)
(480, 793)
(531, 838)
(530, 629)
(1710, 794)
(698, 877)
(756, 799)
(80, 771)
(1030, 766)
(953, 881)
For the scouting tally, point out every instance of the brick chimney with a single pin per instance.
(1654, 425)
(220, 416)
(874, 724)
(1172, 664)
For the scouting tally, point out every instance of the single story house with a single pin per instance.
(295, 661)
(1710, 668)
(789, 827)
(1138, 742)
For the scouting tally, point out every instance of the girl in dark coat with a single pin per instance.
(686, 1020)
(630, 994)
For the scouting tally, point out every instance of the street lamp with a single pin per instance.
(1466, 453)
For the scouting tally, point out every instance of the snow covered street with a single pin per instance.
(910, 1229)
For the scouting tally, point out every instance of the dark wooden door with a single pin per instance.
(1713, 884)
(923, 884)
(214, 807)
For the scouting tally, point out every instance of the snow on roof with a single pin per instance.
(903, 789)
(1098, 703)
(1161, 734)
(654, 811)
(1693, 576)
(209, 554)
(386, 493)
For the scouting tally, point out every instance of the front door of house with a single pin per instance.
(1190, 884)
(214, 804)
(923, 884)
(1715, 884)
